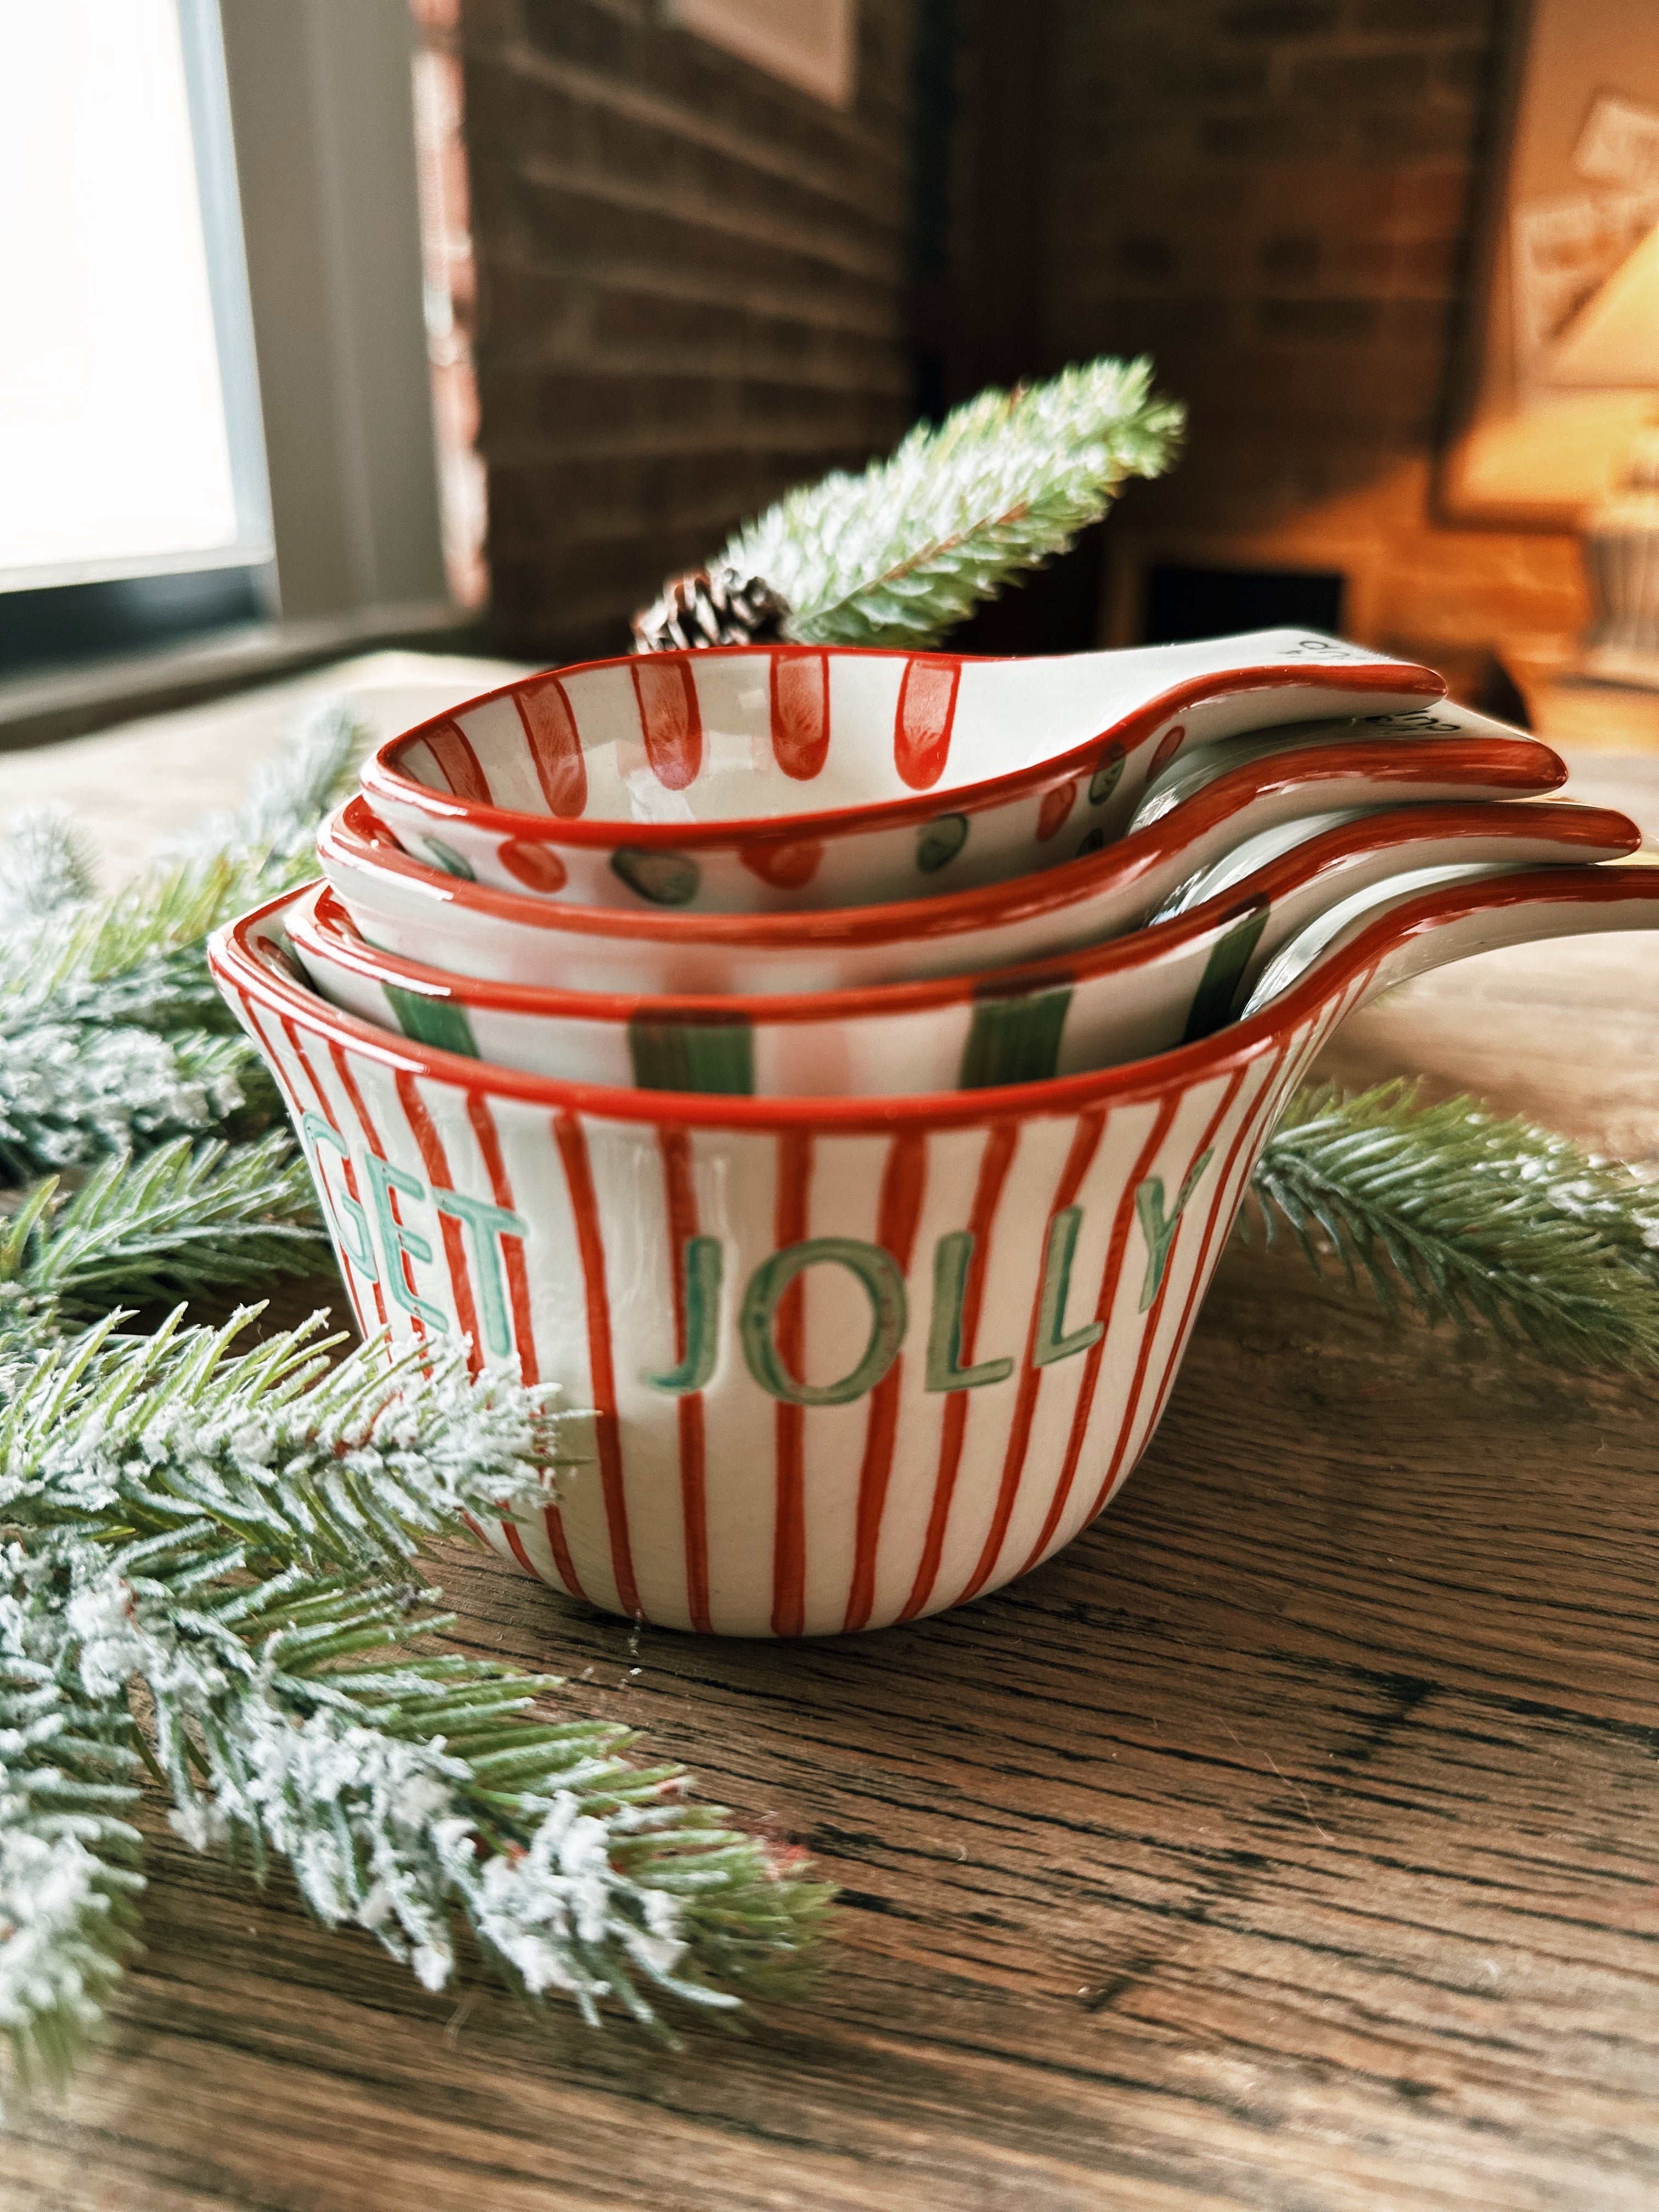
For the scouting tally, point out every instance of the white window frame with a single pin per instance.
(326, 275)
(322, 109)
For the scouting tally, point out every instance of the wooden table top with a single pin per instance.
(1291, 1841)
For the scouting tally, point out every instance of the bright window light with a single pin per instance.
(115, 457)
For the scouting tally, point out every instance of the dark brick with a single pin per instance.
(1201, 78)
(1465, 73)
(1259, 137)
(1318, 321)
(1279, 19)
(1418, 134)
(1149, 259)
(578, 31)
(1290, 259)
(1459, 18)
(682, 310)
(1372, 80)
(525, 311)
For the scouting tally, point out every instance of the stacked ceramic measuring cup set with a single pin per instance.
(837, 1069)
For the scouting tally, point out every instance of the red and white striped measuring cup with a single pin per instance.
(849, 1360)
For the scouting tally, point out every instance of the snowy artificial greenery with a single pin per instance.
(205, 1553)
(112, 1036)
(898, 555)
(1472, 1217)
(204, 1572)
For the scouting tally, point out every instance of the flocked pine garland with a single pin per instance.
(206, 1554)
(897, 555)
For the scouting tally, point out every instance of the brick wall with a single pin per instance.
(691, 295)
(1274, 198)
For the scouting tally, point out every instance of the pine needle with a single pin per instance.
(113, 1036)
(43, 868)
(900, 554)
(220, 1542)
(184, 1221)
(1470, 1218)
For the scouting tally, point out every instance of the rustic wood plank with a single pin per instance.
(1287, 1841)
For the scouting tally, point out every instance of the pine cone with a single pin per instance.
(703, 609)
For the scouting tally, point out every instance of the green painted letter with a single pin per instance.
(359, 1247)
(952, 1257)
(702, 1262)
(395, 1239)
(876, 1270)
(1052, 1341)
(1157, 1228)
(487, 1222)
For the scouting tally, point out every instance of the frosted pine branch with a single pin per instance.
(184, 1221)
(43, 868)
(896, 555)
(230, 1535)
(69, 1877)
(1472, 1217)
(289, 794)
(112, 1037)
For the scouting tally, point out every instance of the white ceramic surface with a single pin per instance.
(782, 778)
(472, 929)
(848, 1362)
(1132, 995)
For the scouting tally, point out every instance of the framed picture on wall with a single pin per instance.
(1559, 373)
(809, 43)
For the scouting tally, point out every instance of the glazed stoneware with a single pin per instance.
(1135, 994)
(755, 778)
(472, 929)
(848, 1363)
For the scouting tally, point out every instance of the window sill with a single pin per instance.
(41, 705)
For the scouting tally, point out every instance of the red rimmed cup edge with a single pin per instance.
(382, 778)
(1520, 764)
(1610, 833)
(242, 974)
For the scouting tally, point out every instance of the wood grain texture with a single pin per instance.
(1291, 1842)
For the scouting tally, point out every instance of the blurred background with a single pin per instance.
(341, 324)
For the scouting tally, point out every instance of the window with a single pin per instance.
(130, 442)
(214, 397)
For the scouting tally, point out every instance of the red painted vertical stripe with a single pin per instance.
(800, 713)
(682, 1202)
(921, 727)
(518, 1287)
(451, 748)
(670, 718)
(1150, 1319)
(789, 1528)
(1261, 1110)
(372, 1138)
(900, 1209)
(556, 744)
(1085, 1142)
(1092, 1358)
(518, 1275)
(291, 1032)
(436, 1164)
(987, 1190)
(579, 1179)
